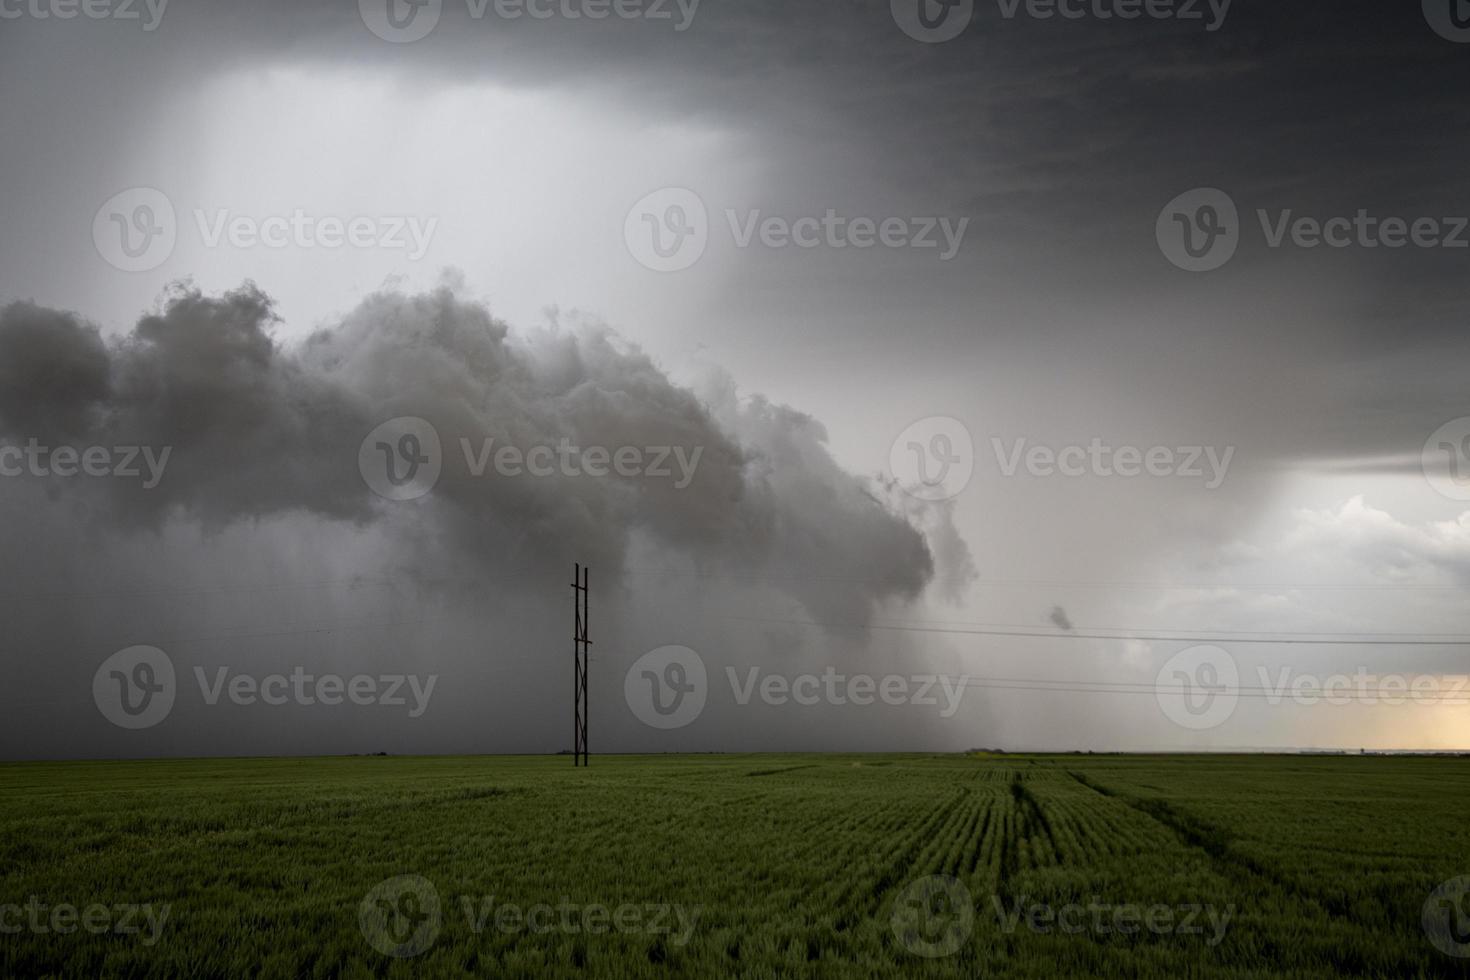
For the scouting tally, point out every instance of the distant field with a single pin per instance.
(759, 866)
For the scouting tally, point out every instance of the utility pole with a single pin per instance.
(581, 648)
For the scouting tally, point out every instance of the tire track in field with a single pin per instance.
(777, 772)
(979, 852)
(880, 827)
(1214, 843)
(1024, 821)
(897, 867)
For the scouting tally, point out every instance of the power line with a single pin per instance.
(1104, 687)
(1315, 640)
(1053, 584)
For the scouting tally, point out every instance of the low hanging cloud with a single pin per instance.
(1389, 548)
(256, 429)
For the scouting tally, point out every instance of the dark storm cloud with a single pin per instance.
(256, 429)
(1060, 139)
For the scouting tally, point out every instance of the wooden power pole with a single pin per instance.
(580, 655)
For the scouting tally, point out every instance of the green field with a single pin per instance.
(757, 866)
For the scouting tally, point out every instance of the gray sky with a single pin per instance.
(502, 289)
